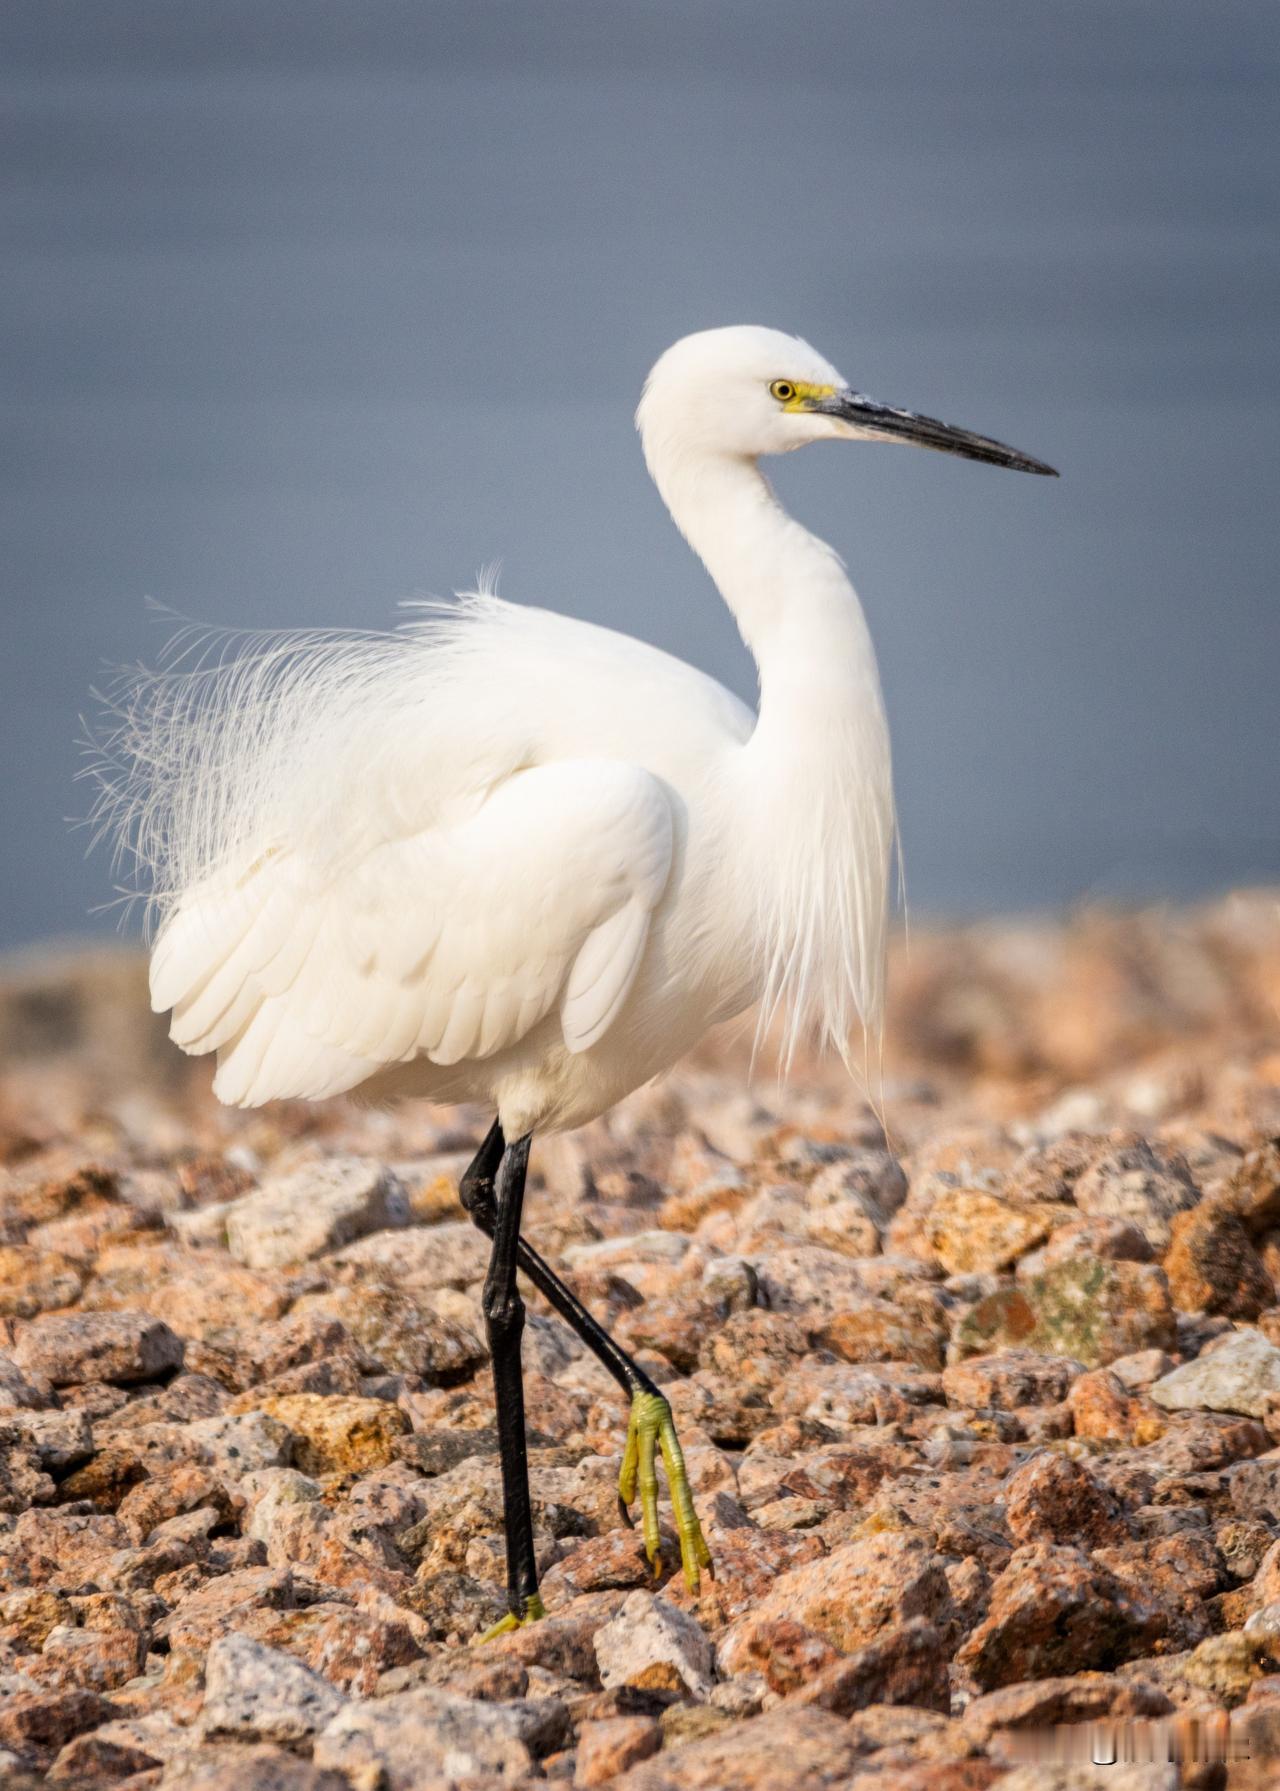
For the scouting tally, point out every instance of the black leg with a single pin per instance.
(492, 1191)
(504, 1319)
(477, 1193)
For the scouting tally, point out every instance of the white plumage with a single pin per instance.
(500, 854)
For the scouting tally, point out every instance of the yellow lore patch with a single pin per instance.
(798, 394)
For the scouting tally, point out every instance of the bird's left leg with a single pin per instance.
(651, 1429)
(504, 1321)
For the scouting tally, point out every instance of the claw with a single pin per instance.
(652, 1428)
(533, 1609)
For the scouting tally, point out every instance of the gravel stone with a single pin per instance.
(295, 1217)
(254, 1693)
(1007, 1432)
(653, 1646)
(71, 1349)
(1240, 1375)
(419, 1739)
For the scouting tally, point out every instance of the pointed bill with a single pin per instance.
(882, 422)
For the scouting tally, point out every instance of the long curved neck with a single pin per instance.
(815, 800)
(788, 591)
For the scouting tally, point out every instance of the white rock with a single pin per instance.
(1239, 1376)
(284, 1488)
(651, 1641)
(1091, 1778)
(241, 1443)
(650, 1260)
(59, 1438)
(1140, 1369)
(294, 1217)
(1264, 1621)
(204, 1227)
(732, 1279)
(256, 1693)
(412, 1740)
(426, 1258)
(808, 1279)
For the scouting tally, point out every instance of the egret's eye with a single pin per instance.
(782, 390)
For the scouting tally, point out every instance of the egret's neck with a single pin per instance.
(788, 591)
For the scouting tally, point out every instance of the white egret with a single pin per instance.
(502, 856)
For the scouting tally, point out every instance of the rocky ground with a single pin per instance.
(982, 1415)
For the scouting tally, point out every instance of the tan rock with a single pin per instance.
(34, 1280)
(1137, 1181)
(971, 1231)
(339, 1436)
(317, 1208)
(398, 1741)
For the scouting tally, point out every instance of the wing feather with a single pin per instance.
(602, 975)
(453, 943)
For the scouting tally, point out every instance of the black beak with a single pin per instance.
(880, 422)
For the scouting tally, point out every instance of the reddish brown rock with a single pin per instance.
(677, 1327)
(171, 1492)
(1012, 1378)
(1052, 1610)
(1055, 1499)
(599, 1563)
(39, 1724)
(1104, 1409)
(748, 1563)
(850, 1596)
(818, 1749)
(608, 1747)
(1045, 1703)
(786, 1654)
(799, 1307)
(72, 1348)
(906, 1664)
(843, 1477)
(910, 1329)
(95, 1659)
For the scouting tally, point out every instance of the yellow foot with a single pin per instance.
(652, 1423)
(533, 1609)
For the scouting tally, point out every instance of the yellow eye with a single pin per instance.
(783, 390)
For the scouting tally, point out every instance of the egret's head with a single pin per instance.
(748, 391)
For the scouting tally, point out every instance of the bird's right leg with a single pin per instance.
(651, 1428)
(504, 1321)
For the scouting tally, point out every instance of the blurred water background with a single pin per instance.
(308, 308)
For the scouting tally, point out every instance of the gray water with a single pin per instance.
(308, 308)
